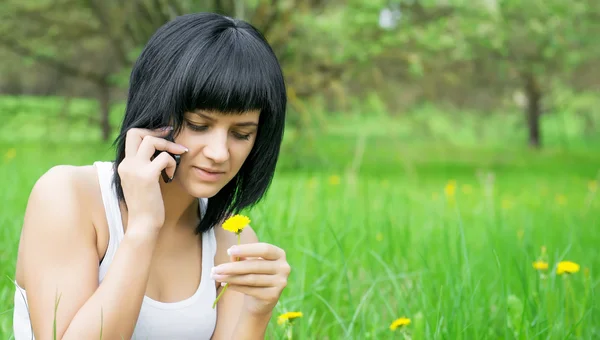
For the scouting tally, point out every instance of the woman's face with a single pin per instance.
(218, 146)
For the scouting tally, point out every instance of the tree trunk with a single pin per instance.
(104, 101)
(239, 9)
(533, 110)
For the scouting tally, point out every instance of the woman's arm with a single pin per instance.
(244, 310)
(60, 265)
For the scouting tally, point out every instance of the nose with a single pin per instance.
(216, 148)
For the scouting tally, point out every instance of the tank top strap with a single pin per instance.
(209, 236)
(113, 213)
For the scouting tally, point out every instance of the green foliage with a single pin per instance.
(385, 243)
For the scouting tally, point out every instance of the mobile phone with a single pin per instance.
(177, 158)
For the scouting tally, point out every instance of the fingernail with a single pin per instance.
(217, 277)
(166, 128)
(233, 251)
(184, 148)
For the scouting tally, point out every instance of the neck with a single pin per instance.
(181, 208)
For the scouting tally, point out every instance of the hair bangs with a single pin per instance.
(229, 75)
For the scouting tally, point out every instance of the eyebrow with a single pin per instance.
(240, 124)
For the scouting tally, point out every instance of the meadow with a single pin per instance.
(384, 218)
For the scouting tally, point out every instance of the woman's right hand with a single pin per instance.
(140, 175)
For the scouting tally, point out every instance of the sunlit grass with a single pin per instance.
(370, 248)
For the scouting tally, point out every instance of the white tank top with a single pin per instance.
(192, 318)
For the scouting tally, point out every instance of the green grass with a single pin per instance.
(387, 242)
(385, 245)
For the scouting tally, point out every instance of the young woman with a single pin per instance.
(113, 249)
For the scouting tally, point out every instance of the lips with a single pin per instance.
(211, 171)
(208, 174)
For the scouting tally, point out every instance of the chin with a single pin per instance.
(203, 190)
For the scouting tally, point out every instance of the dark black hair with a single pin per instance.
(211, 62)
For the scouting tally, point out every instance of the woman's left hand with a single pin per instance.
(261, 274)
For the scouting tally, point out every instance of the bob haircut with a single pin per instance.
(211, 62)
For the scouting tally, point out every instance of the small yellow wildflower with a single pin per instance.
(593, 186)
(236, 223)
(567, 267)
(289, 316)
(10, 154)
(334, 180)
(450, 188)
(401, 322)
(540, 265)
(506, 204)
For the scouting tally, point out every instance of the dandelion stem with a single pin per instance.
(566, 281)
(227, 284)
(221, 293)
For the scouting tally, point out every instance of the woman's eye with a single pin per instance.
(241, 136)
(197, 127)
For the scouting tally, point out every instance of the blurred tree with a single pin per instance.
(523, 44)
(98, 40)
(86, 39)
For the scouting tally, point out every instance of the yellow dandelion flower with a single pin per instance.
(593, 186)
(236, 223)
(289, 316)
(567, 267)
(334, 180)
(401, 322)
(507, 204)
(10, 154)
(540, 265)
(450, 188)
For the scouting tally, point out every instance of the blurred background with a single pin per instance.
(397, 108)
(485, 73)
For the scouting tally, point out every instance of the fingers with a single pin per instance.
(264, 250)
(250, 266)
(135, 136)
(150, 144)
(254, 280)
(164, 161)
(266, 294)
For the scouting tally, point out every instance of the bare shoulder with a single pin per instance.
(70, 178)
(59, 205)
(227, 239)
(69, 188)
